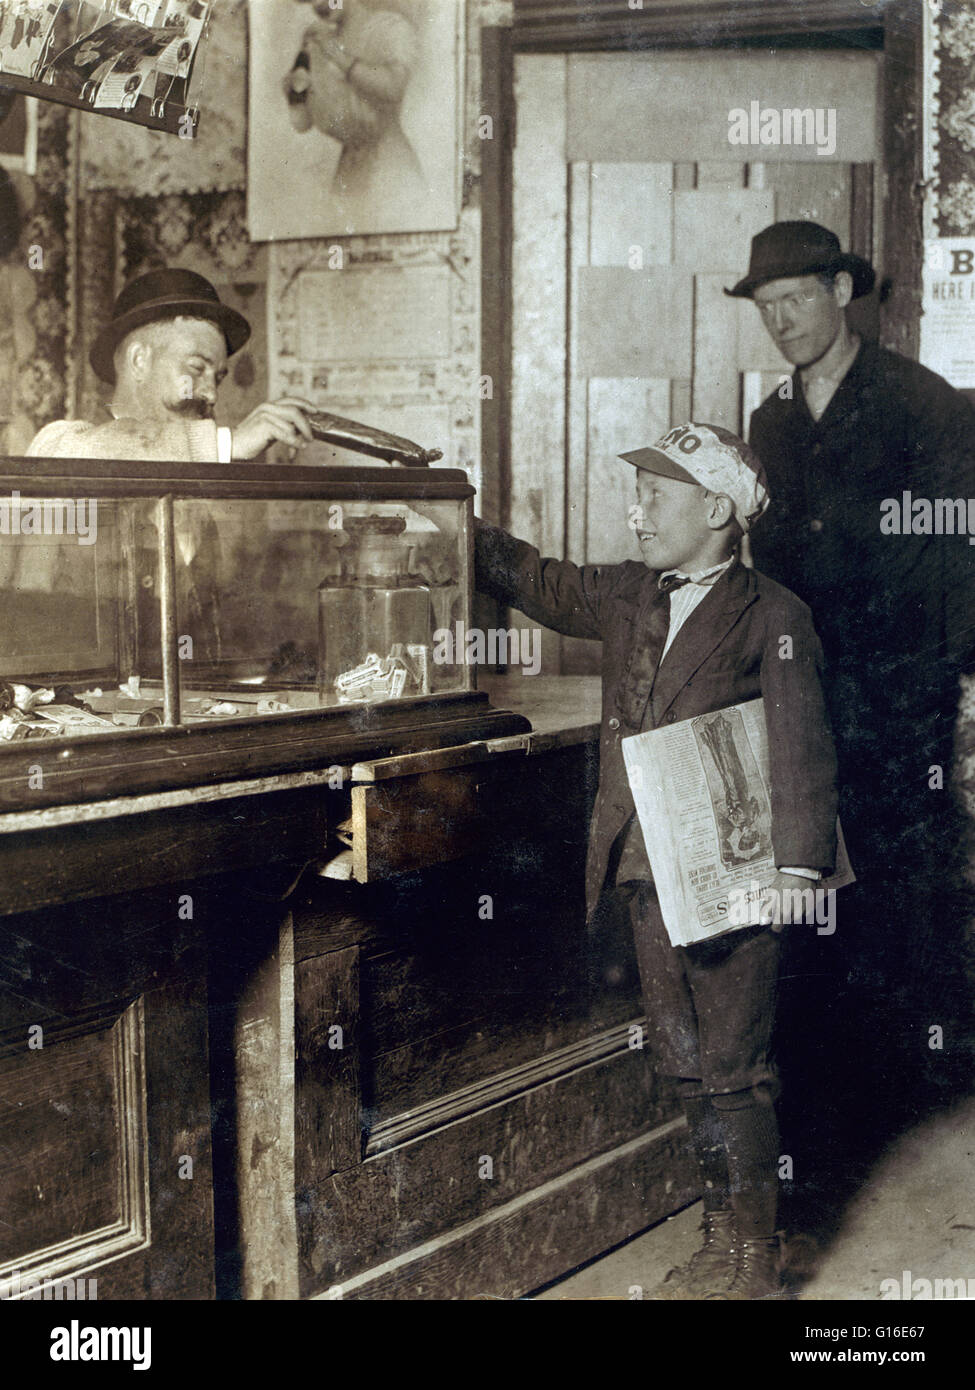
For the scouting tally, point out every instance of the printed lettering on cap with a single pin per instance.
(682, 437)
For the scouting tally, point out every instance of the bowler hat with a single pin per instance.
(164, 294)
(788, 249)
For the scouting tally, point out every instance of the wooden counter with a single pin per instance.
(469, 1115)
(423, 1085)
(566, 708)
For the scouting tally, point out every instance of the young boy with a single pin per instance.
(689, 631)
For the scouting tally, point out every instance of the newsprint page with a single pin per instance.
(487, 673)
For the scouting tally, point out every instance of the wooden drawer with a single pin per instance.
(419, 809)
(412, 822)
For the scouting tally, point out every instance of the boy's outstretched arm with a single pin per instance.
(561, 595)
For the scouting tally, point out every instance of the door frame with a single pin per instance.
(567, 26)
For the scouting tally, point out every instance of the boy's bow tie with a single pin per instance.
(674, 580)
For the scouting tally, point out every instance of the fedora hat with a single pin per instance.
(163, 294)
(788, 249)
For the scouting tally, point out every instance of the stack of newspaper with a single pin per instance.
(701, 789)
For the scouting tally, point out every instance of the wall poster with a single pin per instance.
(353, 121)
(948, 309)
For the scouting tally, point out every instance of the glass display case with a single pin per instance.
(148, 606)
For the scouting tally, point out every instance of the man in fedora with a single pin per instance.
(857, 425)
(164, 351)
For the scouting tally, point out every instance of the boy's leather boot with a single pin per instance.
(710, 1269)
(757, 1274)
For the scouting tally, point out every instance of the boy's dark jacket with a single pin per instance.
(729, 650)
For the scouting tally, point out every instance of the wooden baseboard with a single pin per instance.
(547, 1232)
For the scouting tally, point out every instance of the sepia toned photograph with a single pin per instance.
(487, 670)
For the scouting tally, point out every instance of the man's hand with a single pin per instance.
(770, 903)
(328, 13)
(282, 420)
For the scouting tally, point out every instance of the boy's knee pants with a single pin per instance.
(710, 1007)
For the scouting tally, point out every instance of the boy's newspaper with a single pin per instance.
(701, 789)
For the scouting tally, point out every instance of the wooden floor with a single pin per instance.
(915, 1213)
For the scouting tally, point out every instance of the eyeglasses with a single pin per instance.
(791, 302)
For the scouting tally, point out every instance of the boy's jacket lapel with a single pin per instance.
(704, 630)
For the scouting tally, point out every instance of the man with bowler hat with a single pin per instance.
(854, 426)
(164, 351)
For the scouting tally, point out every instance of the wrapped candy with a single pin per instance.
(385, 678)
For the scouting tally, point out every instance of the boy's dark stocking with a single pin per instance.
(708, 1143)
(751, 1141)
(751, 1135)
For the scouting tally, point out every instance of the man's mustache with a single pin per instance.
(195, 407)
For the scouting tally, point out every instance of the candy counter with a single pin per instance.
(147, 606)
(294, 909)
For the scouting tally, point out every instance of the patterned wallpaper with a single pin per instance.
(136, 162)
(33, 301)
(952, 118)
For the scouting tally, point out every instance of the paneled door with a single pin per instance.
(633, 211)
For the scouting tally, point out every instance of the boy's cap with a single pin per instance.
(714, 458)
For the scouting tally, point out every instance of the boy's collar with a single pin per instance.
(705, 577)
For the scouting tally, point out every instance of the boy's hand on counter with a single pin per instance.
(282, 420)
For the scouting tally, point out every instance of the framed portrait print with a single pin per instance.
(353, 122)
